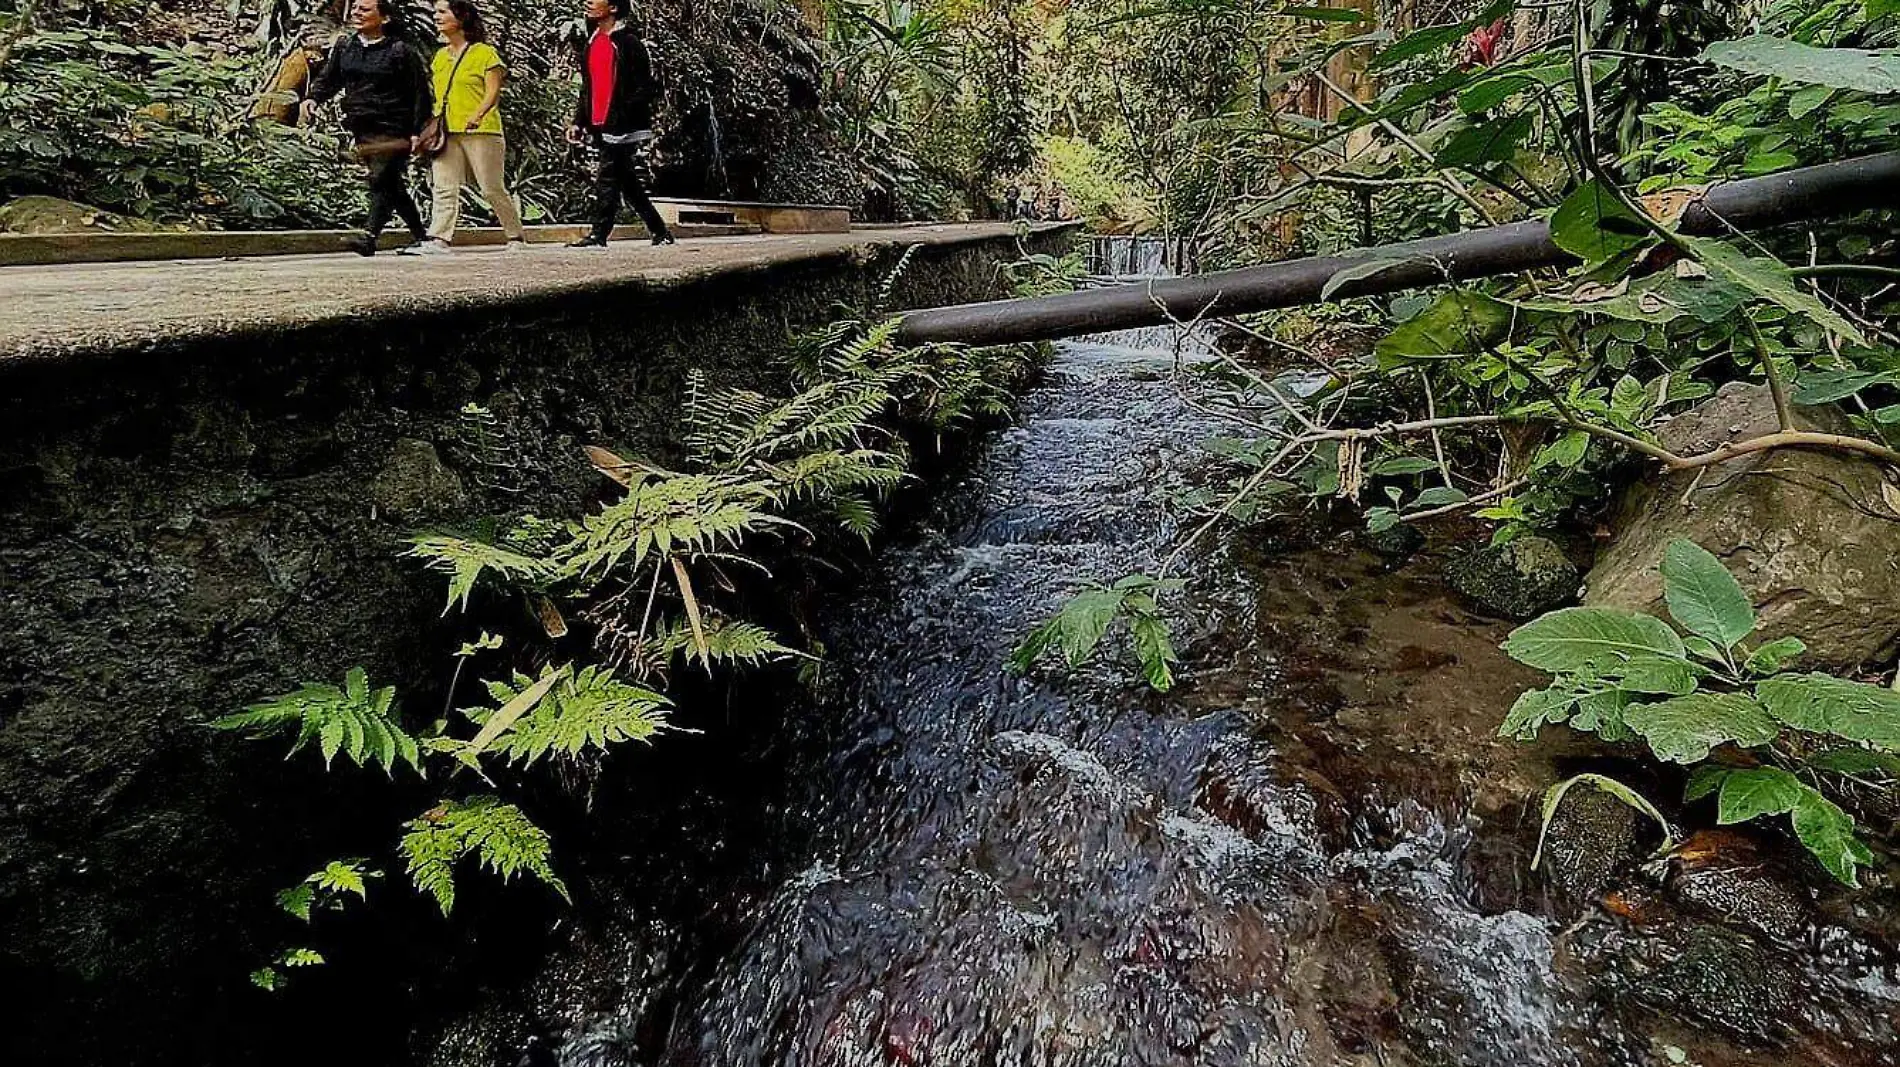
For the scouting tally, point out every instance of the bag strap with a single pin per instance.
(453, 71)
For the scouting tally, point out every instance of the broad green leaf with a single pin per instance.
(1154, 649)
(1828, 386)
(1595, 226)
(1774, 655)
(1602, 714)
(1660, 675)
(1748, 794)
(1828, 832)
(1458, 323)
(1703, 781)
(1565, 452)
(1554, 796)
(1703, 596)
(1485, 142)
(1770, 280)
(1702, 648)
(1683, 730)
(1857, 761)
(1084, 620)
(1392, 466)
(1822, 703)
(1420, 42)
(1536, 709)
(1842, 68)
(1358, 272)
(1572, 639)
(1437, 496)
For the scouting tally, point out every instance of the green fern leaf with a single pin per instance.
(500, 837)
(354, 721)
(465, 560)
(587, 709)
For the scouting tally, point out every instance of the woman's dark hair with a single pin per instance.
(622, 9)
(466, 13)
(395, 20)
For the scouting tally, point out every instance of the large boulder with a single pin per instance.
(1814, 537)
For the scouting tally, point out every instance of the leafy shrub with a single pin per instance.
(653, 571)
(1761, 738)
(160, 133)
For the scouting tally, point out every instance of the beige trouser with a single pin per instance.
(479, 154)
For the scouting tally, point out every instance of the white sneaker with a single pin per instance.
(516, 245)
(430, 247)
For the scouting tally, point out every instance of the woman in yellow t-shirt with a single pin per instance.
(468, 73)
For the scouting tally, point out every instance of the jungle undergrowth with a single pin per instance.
(658, 579)
(1526, 402)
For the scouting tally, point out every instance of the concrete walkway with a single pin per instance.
(124, 308)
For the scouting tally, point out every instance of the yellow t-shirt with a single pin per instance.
(470, 89)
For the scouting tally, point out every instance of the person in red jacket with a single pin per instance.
(615, 112)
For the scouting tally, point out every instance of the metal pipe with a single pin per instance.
(1829, 190)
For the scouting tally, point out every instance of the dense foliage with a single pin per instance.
(661, 576)
(1526, 402)
(1795, 737)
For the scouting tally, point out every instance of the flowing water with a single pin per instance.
(1053, 870)
(1027, 871)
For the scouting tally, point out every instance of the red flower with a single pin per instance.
(1481, 45)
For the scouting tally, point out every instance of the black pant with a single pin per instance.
(389, 193)
(622, 171)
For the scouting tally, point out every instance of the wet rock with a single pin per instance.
(1724, 876)
(414, 485)
(1725, 981)
(1520, 579)
(1590, 837)
(1395, 543)
(1814, 537)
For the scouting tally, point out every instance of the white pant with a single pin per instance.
(482, 154)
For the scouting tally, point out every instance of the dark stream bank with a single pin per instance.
(1313, 852)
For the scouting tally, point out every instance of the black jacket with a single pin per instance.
(385, 86)
(635, 87)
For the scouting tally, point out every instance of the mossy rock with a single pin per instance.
(1520, 579)
(51, 215)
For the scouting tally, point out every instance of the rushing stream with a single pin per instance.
(1052, 870)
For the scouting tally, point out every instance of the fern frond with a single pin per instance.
(354, 721)
(888, 290)
(821, 475)
(856, 516)
(588, 709)
(728, 641)
(465, 559)
(665, 515)
(499, 835)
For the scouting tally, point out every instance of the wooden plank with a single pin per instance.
(18, 250)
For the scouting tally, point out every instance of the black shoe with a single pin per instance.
(362, 244)
(664, 237)
(592, 240)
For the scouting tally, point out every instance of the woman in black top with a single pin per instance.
(386, 102)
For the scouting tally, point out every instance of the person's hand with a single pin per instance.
(307, 111)
(415, 145)
(576, 135)
(472, 124)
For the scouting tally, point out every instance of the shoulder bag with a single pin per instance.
(435, 133)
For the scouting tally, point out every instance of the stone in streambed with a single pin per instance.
(1591, 835)
(1814, 537)
(1520, 579)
